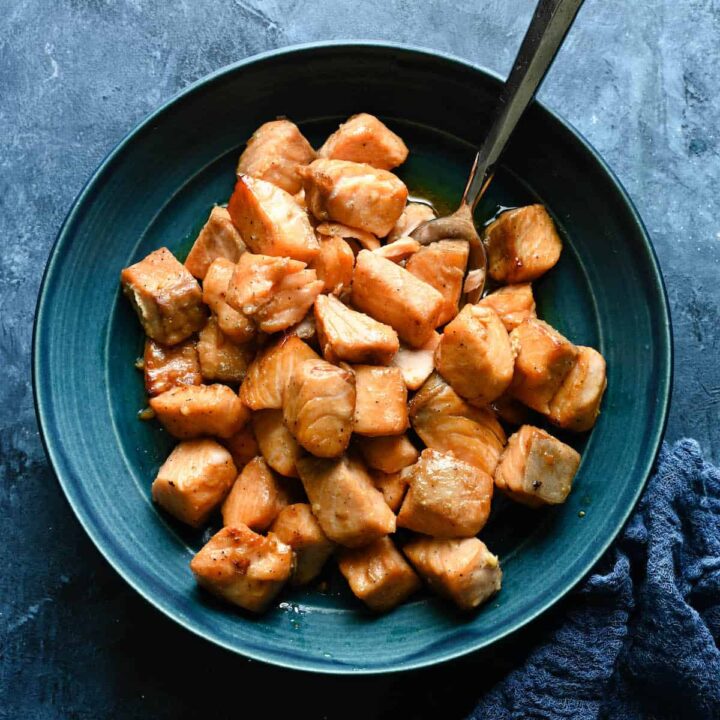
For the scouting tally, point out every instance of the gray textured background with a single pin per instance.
(641, 80)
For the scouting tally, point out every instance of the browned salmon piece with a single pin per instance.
(334, 265)
(270, 372)
(292, 300)
(349, 508)
(463, 571)
(414, 215)
(380, 401)
(277, 444)
(364, 238)
(319, 407)
(394, 296)
(474, 355)
(536, 468)
(576, 404)
(522, 244)
(513, 304)
(297, 527)
(543, 358)
(194, 480)
(270, 221)
(242, 567)
(242, 446)
(218, 238)
(389, 454)
(220, 358)
(365, 139)
(378, 574)
(168, 367)
(446, 423)
(345, 334)
(393, 486)
(256, 497)
(354, 194)
(511, 411)
(274, 153)
(234, 324)
(398, 250)
(442, 265)
(447, 497)
(275, 292)
(195, 410)
(417, 364)
(165, 296)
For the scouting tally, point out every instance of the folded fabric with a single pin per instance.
(639, 637)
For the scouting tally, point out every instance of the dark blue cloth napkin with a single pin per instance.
(639, 638)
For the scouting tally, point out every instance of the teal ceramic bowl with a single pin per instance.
(157, 187)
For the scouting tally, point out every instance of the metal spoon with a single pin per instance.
(549, 25)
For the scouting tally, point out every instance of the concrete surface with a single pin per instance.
(641, 81)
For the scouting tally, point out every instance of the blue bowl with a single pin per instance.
(157, 187)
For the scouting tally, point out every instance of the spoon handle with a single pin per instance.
(550, 23)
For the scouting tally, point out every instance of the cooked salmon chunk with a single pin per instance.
(345, 334)
(543, 358)
(442, 264)
(447, 497)
(365, 139)
(474, 355)
(218, 238)
(297, 527)
(414, 215)
(576, 404)
(242, 446)
(270, 221)
(234, 324)
(513, 304)
(463, 571)
(277, 444)
(270, 372)
(380, 401)
(165, 296)
(194, 480)
(378, 574)
(446, 423)
(196, 410)
(536, 468)
(364, 238)
(393, 486)
(394, 296)
(274, 153)
(256, 497)
(275, 292)
(220, 358)
(399, 250)
(319, 407)
(354, 194)
(522, 244)
(417, 364)
(389, 454)
(349, 508)
(334, 265)
(242, 567)
(168, 367)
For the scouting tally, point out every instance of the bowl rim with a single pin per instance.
(54, 452)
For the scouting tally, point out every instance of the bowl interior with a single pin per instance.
(157, 190)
